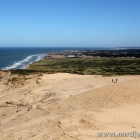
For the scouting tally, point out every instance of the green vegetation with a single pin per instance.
(86, 65)
(89, 65)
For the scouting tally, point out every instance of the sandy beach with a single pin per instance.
(66, 106)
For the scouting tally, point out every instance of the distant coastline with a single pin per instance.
(20, 58)
(121, 52)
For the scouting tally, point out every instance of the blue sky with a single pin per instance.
(70, 23)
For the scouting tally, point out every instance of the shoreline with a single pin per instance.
(87, 65)
(21, 63)
(28, 66)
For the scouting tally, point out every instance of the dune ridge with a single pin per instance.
(67, 106)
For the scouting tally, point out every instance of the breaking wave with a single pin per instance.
(26, 61)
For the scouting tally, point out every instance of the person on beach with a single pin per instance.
(116, 80)
(112, 81)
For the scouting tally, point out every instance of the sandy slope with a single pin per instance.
(67, 106)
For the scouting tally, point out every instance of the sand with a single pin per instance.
(66, 106)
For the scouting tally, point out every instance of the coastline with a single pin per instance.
(28, 66)
(18, 58)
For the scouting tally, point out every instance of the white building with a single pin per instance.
(71, 56)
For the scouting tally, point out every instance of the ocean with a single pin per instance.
(20, 57)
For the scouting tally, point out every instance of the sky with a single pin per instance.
(70, 23)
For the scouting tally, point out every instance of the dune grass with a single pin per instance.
(89, 66)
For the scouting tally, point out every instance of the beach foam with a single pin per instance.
(26, 61)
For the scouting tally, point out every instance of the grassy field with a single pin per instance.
(88, 65)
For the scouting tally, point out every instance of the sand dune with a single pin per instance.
(67, 106)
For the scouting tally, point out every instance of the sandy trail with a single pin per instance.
(67, 106)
